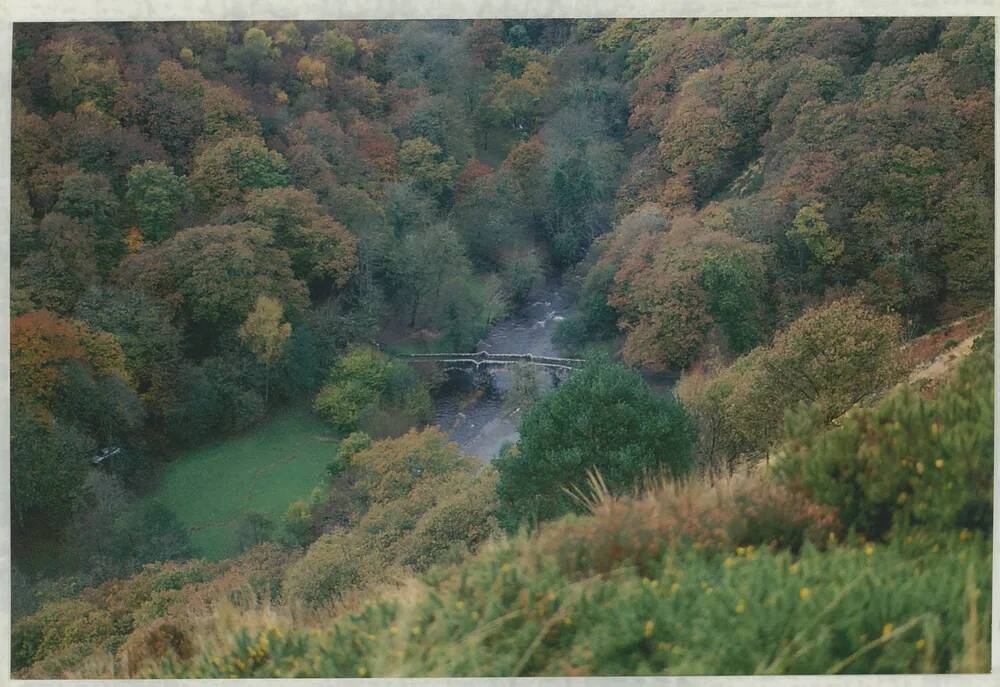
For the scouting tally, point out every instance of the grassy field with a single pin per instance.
(260, 471)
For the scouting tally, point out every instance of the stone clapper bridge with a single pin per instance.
(483, 361)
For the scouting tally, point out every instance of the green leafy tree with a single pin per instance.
(184, 271)
(603, 418)
(365, 379)
(297, 523)
(79, 73)
(157, 197)
(334, 46)
(89, 199)
(832, 357)
(818, 248)
(223, 172)
(48, 464)
(431, 264)
(515, 101)
(734, 286)
(253, 529)
(54, 276)
(255, 53)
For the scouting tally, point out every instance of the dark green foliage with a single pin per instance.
(157, 197)
(734, 289)
(603, 418)
(593, 319)
(579, 184)
(907, 462)
(253, 529)
(48, 462)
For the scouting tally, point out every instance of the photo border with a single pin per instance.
(17, 11)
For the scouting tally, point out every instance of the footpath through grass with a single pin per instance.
(260, 471)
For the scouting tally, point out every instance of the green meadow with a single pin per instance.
(261, 471)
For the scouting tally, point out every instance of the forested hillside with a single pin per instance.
(211, 222)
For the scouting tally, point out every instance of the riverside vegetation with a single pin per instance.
(214, 223)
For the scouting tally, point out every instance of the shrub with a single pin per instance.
(461, 520)
(99, 619)
(154, 642)
(335, 563)
(391, 467)
(888, 609)
(352, 444)
(747, 511)
(365, 380)
(427, 506)
(908, 461)
(832, 357)
(603, 417)
(297, 523)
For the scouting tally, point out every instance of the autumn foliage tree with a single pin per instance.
(265, 334)
(831, 358)
(223, 172)
(319, 246)
(676, 280)
(184, 269)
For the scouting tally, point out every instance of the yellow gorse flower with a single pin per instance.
(804, 593)
(647, 629)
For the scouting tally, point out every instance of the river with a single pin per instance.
(475, 417)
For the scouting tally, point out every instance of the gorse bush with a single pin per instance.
(907, 462)
(101, 617)
(122, 618)
(847, 610)
(604, 417)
